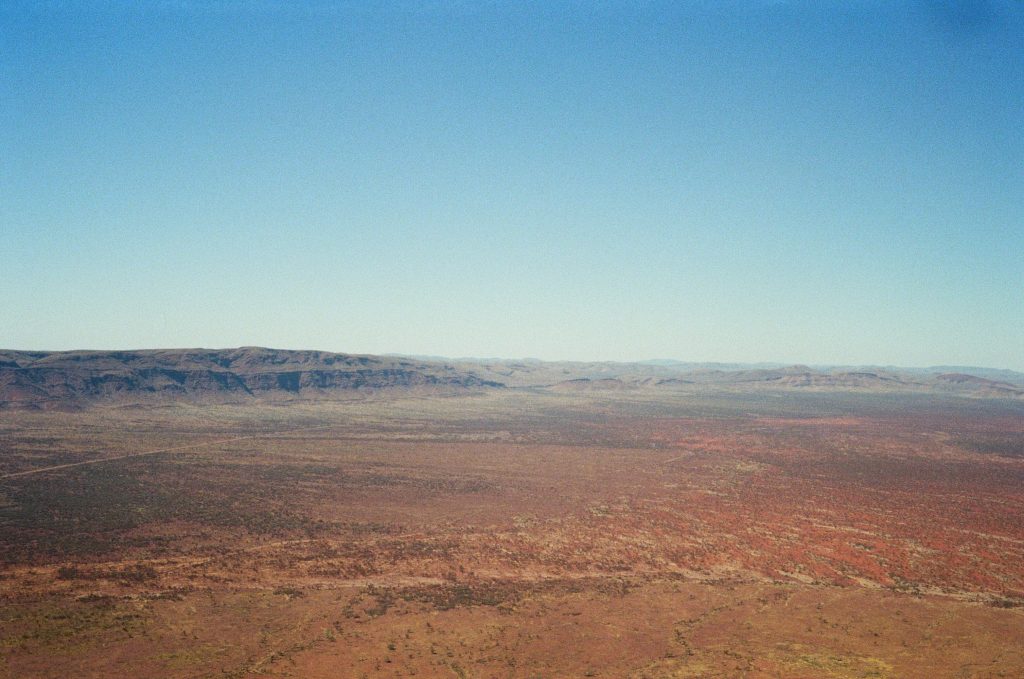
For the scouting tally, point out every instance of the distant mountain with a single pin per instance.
(712, 365)
(1010, 376)
(980, 385)
(566, 376)
(42, 379)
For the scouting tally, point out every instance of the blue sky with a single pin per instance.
(749, 181)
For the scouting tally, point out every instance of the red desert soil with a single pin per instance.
(643, 533)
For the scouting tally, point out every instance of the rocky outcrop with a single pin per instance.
(48, 379)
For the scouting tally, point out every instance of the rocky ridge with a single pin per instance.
(43, 379)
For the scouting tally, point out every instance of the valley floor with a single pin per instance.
(519, 533)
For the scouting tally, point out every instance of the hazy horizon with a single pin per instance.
(713, 182)
(653, 360)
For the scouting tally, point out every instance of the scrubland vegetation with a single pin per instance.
(646, 533)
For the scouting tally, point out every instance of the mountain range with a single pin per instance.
(47, 379)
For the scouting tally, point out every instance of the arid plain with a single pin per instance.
(608, 528)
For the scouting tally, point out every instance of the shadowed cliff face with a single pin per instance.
(76, 378)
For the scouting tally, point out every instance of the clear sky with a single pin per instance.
(747, 181)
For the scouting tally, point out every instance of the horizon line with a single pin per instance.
(644, 361)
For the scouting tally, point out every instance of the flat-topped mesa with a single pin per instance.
(962, 378)
(78, 378)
